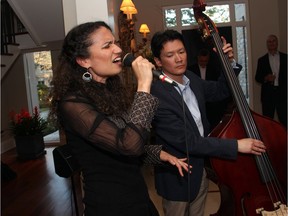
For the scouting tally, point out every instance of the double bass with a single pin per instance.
(252, 185)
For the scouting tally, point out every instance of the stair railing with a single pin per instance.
(10, 27)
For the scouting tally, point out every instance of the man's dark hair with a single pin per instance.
(160, 38)
(204, 52)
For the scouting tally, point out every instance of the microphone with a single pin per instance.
(129, 58)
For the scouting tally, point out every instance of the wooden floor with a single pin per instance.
(37, 189)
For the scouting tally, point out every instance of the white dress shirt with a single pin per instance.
(274, 61)
(191, 102)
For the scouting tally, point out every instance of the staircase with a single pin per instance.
(26, 26)
(31, 26)
(7, 59)
(14, 38)
(10, 26)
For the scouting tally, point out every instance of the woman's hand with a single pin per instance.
(249, 145)
(143, 71)
(178, 162)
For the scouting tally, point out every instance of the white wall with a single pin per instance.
(76, 12)
(13, 97)
(282, 19)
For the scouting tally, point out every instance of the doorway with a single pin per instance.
(39, 74)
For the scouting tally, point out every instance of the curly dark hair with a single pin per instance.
(111, 97)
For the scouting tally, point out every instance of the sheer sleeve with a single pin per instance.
(117, 135)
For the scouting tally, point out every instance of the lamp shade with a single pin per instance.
(128, 8)
(126, 4)
(144, 29)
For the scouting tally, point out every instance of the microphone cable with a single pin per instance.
(187, 148)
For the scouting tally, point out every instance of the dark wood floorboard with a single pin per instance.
(37, 190)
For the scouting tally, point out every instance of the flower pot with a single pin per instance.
(30, 147)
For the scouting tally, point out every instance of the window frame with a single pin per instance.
(233, 23)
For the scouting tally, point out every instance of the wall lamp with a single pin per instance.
(128, 8)
(144, 30)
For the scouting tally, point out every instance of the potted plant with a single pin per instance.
(28, 133)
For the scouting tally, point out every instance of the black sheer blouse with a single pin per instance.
(125, 135)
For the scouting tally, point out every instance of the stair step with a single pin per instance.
(12, 44)
(7, 54)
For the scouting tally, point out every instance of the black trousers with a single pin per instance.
(273, 102)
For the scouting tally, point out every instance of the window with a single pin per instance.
(224, 14)
(240, 12)
(170, 17)
(187, 18)
(39, 75)
(44, 75)
(218, 13)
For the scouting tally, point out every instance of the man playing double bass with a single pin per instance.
(183, 135)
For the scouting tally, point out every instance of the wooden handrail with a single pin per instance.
(10, 26)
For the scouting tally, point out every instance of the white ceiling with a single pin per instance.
(43, 19)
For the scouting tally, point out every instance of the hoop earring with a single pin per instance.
(87, 76)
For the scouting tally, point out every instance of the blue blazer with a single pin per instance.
(169, 128)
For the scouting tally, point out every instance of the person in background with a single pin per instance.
(271, 73)
(202, 68)
(208, 70)
(184, 132)
(107, 130)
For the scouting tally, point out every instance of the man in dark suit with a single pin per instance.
(208, 70)
(204, 68)
(271, 73)
(180, 125)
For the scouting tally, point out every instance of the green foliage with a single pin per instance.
(43, 95)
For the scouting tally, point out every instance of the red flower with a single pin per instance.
(23, 123)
